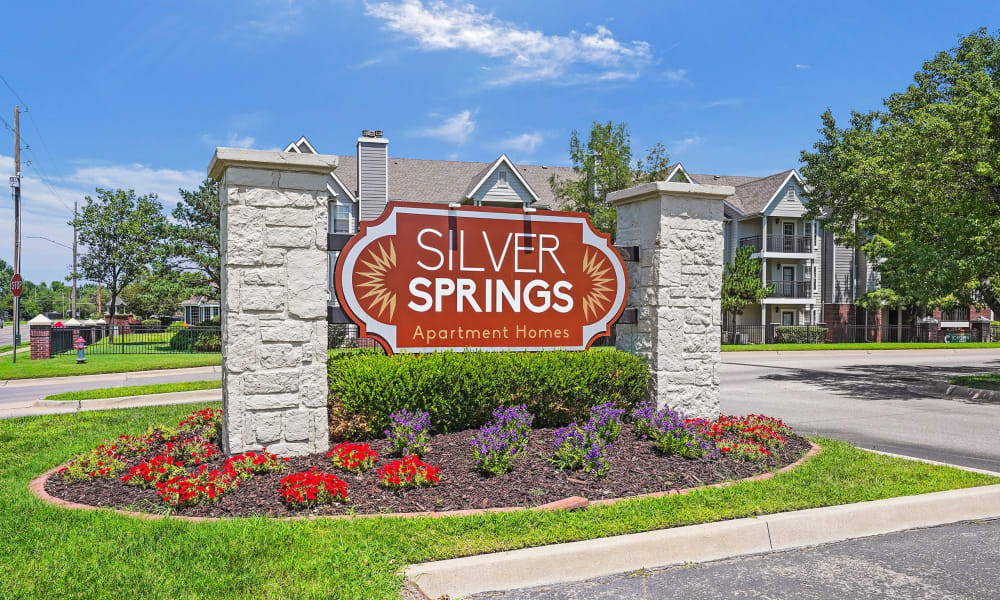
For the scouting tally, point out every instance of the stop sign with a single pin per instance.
(15, 284)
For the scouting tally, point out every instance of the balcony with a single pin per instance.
(789, 244)
(790, 289)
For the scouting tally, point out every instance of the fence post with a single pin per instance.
(676, 286)
(982, 329)
(274, 225)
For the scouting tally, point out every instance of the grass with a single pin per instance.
(988, 381)
(51, 552)
(65, 364)
(859, 346)
(138, 390)
(9, 347)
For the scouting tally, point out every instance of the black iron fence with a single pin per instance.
(784, 288)
(132, 340)
(833, 334)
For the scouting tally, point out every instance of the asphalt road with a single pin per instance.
(881, 399)
(7, 333)
(956, 561)
(28, 390)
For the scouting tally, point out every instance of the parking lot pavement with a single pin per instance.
(952, 561)
(883, 400)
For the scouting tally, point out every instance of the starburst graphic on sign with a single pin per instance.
(599, 274)
(379, 263)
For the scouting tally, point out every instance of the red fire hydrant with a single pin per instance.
(80, 345)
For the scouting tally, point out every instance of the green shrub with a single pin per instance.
(198, 340)
(800, 335)
(152, 324)
(460, 390)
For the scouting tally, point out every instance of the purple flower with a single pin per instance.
(499, 442)
(409, 432)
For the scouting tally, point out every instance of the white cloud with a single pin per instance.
(270, 20)
(457, 128)
(371, 62)
(686, 143)
(724, 102)
(677, 76)
(801, 66)
(523, 54)
(141, 178)
(526, 142)
(618, 75)
(233, 141)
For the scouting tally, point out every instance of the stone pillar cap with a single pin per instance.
(269, 160)
(101, 322)
(72, 323)
(671, 188)
(40, 320)
(981, 319)
(929, 320)
(89, 322)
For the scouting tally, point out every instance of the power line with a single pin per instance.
(13, 91)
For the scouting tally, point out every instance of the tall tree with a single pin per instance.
(604, 163)
(193, 240)
(742, 284)
(120, 234)
(917, 183)
(160, 292)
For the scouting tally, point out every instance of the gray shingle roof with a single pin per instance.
(444, 181)
(752, 193)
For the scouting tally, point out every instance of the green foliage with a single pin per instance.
(120, 233)
(159, 291)
(917, 183)
(605, 165)
(197, 339)
(800, 335)
(193, 240)
(335, 335)
(460, 390)
(741, 282)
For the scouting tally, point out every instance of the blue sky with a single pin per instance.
(125, 94)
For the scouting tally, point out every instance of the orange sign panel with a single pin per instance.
(424, 277)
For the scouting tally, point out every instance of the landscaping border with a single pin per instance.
(37, 487)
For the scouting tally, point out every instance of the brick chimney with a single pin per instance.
(373, 174)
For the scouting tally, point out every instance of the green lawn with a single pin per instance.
(138, 390)
(65, 364)
(9, 347)
(50, 552)
(859, 346)
(988, 381)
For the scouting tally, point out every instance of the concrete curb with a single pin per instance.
(950, 389)
(576, 561)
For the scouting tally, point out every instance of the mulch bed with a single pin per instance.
(637, 468)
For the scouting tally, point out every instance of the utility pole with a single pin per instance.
(17, 224)
(73, 302)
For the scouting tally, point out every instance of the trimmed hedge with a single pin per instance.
(461, 389)
(800, 335)
(197, 340)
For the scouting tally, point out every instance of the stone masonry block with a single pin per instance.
(266, 426)
(277, 356)
(271, 382)
(291, 217)
(290, 237)
(298, 425)
(262, 297)
(285, 331)
(243, 228)
(307, 283)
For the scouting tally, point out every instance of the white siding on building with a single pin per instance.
(502, 188)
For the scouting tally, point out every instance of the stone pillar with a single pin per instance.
(677, 287)
(274, 225)
(40, 334)
(982, 329)
(929, 330)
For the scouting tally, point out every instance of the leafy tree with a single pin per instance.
(120, 233)
(193, 240)
(916, 184)
(605, 165)
(160, 292)
(741, 282)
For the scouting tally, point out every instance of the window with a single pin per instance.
(342, 218)
(809, 228)
(955, 314)
(502, 178)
